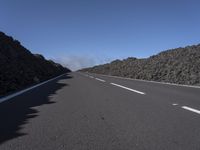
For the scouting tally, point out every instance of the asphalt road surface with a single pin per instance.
(94, 112)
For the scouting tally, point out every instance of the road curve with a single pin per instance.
(82, 111)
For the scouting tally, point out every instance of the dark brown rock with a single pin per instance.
(20, 68)
(181, 65)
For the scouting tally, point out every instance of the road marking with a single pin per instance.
(128, 88)
(28, 89)
(174, 104)
(191, 109)
(166, 83)
(100, 80)
(91, 77)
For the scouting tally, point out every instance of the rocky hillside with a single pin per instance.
(20, 68)
(181, 65)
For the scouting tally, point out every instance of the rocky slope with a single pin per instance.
(181, 66)
(20, 68)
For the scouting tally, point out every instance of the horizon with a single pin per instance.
(84, 34)
(121, 59)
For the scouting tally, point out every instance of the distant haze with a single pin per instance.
(77, 62)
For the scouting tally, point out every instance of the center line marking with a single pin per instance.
(128, 88)
(191, 109)
(174, 104)
(100, 80)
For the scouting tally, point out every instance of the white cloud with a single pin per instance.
(77, 62)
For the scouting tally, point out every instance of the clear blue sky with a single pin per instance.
(82, 33)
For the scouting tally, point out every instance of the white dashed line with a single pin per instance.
(139, 92)
(100, 80)
(128, 88)
(118, 77)
(174, 104)
(191, 109)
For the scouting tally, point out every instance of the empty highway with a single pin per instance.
(80, 111)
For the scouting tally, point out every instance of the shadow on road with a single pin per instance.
(16, 112)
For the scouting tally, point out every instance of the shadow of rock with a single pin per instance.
(16, 112)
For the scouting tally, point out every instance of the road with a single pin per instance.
(94, 112)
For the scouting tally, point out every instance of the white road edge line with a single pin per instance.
(191, 109)
(128, 88)
(28, 89)
(100, 80)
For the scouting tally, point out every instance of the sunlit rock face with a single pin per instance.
(180, 65)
